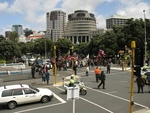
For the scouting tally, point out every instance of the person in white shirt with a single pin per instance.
(87, 70)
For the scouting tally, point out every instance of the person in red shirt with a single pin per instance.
(97, 73)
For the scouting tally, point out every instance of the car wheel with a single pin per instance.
(11, 105)
(45, 99)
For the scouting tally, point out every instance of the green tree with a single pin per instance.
(81, 49)
(39, 46)
(63, 45)
(24, 48)
(2, 38)
(14, 37)
(9, 49)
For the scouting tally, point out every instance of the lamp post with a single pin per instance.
(145, 36)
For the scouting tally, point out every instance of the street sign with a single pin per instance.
(73, 92)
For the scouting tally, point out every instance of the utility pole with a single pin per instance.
(133, 46)
(145, 36)
(55, 74)
(72, 49)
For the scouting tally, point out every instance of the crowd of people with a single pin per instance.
(99, 73)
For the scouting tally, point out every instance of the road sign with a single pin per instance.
(73, 92)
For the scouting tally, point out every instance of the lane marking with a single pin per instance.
(60, 99)
(56, 96)
(89, 102)
(96, 105)
(117, 97)
(112, 92)
(123, 81)
(27, 110)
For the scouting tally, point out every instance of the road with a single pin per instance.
(114, 99)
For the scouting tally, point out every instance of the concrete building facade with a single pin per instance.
(18, 29)
(56, 23)
(79, 24)
(116, 20)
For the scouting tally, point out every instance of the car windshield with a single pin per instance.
(34, 88)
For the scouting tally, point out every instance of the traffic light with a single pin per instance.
(139, 57)
(58, 53)
(71, 52)
(137, 71)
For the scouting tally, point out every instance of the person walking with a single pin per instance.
(140, 83)
(108, 68)
(102, 78)
(97, 73)
(33, 71)
(87, 70)
(43, 74)
(75, 69)
(47, 74)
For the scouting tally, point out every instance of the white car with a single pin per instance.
(13, 95)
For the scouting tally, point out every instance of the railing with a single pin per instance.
(13, 68)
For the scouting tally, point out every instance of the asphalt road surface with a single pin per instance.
(114, 99)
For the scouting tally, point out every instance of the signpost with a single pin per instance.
(72, 94)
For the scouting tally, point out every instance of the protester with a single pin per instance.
(43, 74)
(102, 78)
(87, 70)
(97, 73)
(33, 71)
(108, 68)
(75, 69)
(47, 74)
(140, 83)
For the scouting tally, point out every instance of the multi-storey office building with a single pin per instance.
(79, 24)
(18, 29)
(8, 34)
(115, 20)
(56, 23)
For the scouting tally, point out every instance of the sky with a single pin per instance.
(32, 13)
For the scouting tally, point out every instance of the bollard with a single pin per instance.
(21, 70)
(63, 81)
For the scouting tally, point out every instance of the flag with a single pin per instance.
(87, 57)
(101, 53)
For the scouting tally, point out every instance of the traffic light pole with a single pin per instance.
(54, 65)
(133, 46)
(72, 60)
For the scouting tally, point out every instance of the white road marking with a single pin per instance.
(27, 110)
(117, 97)
(124, 81)
(56, 96)
(112, 92)
(96, 104)
(60, 99)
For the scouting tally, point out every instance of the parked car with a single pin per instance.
(13, 95)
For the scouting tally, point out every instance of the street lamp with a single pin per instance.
(145, 36)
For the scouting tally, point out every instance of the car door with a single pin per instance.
(31, 95)
(18, 96)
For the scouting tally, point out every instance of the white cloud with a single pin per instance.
(135, 10)
(101, 21)
(70, 6)
(3, 6)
